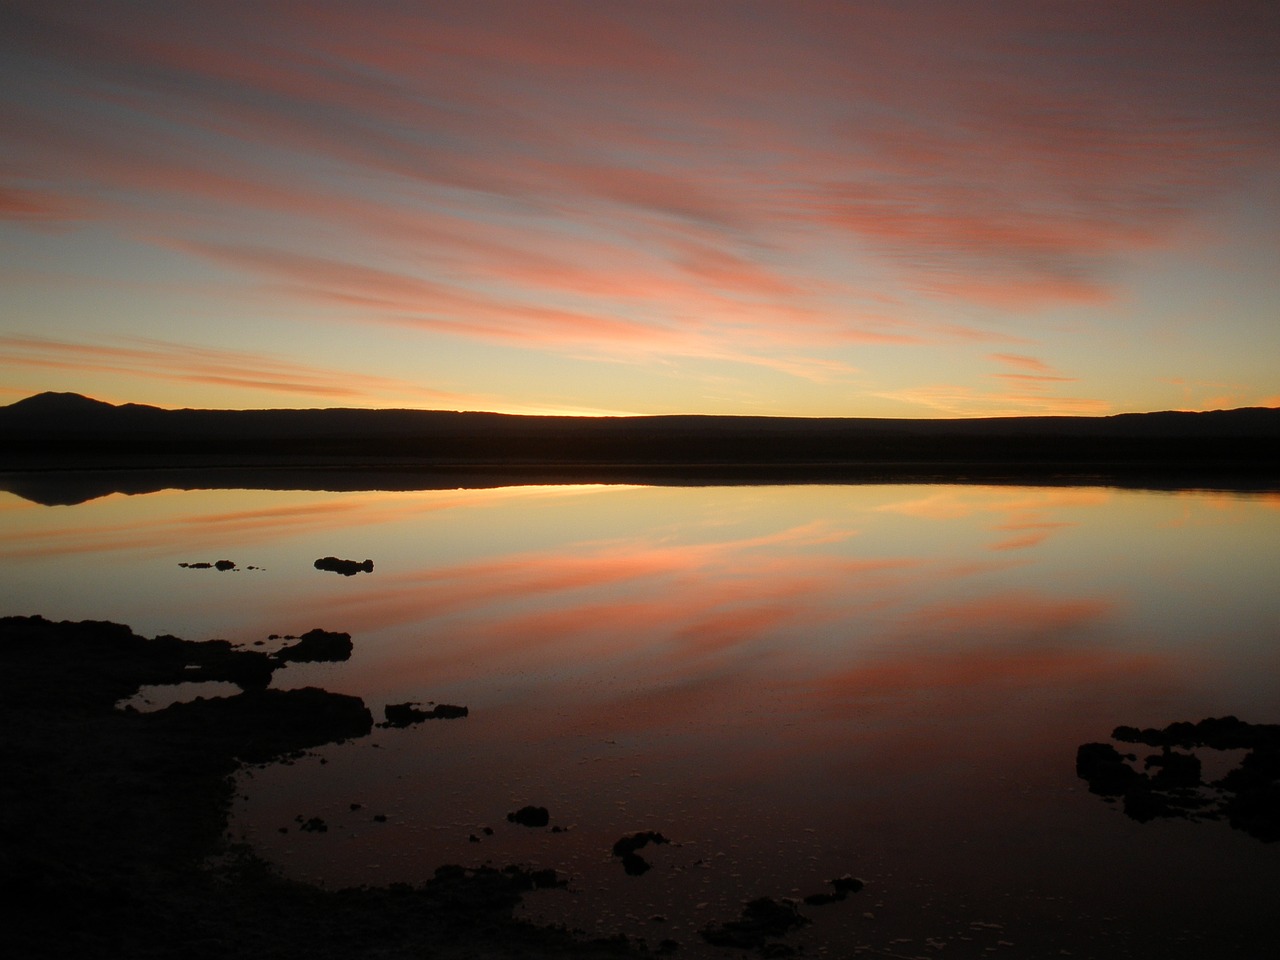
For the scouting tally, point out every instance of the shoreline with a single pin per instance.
(121, 818)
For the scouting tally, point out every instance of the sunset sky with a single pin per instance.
(790, 207)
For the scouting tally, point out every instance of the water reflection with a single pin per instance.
(791, 684)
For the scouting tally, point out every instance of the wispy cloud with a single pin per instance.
(186, 363)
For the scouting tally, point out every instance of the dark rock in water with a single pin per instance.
(1174, 769)
(761, 920)
(225, 565)
(317, 646)
(847, 884)
(260, 725)
(222, 565)
(526, 879)
(636, 841)
(1248, 796)
(634, 864)
(1253, 803)
(843, 886)
(1105, 769)
(405, 714)
(530, 816)
(1218, 733)
(447, 711)
(821, 899)
(348, 568)
(315, 825)
(1143, 804)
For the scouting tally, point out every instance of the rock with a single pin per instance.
(843, 886)
(260, 725)
(761, 920)
(634, 864)
(636, 841)
(1105, 769)
(317, 646)
(847, 884)
(822, 899)
(529, 816)
(405, 714)
(1253, 804)
(1174, 769)
(348, 568)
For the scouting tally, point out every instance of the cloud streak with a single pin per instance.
(191, 364)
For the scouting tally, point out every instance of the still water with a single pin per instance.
(790, 683)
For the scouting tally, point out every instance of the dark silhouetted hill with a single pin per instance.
(54, 431)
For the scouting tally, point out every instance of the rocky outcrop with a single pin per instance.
(406, 714)
(348, 568)
(317, 646)
(1171, 783)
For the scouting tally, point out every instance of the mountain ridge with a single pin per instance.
(63, 431)
(51, 403)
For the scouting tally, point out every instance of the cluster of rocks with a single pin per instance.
(765, 920)
(348, 568)
(221, 565)
(762, 920)
(1171, 783)
(406, 714)
(138, 802)
(124, 815)
(317, 646)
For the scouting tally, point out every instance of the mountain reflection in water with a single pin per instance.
(791, 685)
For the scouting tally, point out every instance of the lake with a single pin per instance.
(791, 684)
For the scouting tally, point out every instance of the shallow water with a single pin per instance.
(791, 683)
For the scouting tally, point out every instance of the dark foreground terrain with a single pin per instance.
(113, 823)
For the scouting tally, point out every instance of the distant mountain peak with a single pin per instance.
(52, 402)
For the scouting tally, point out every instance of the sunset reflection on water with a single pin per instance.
(792, 683)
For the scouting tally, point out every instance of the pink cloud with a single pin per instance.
(38, 206)
(643, 181)
(960, 400)
(1032, 364)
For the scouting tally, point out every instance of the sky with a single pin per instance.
(922, 208)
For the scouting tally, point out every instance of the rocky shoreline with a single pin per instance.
(114, 822)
